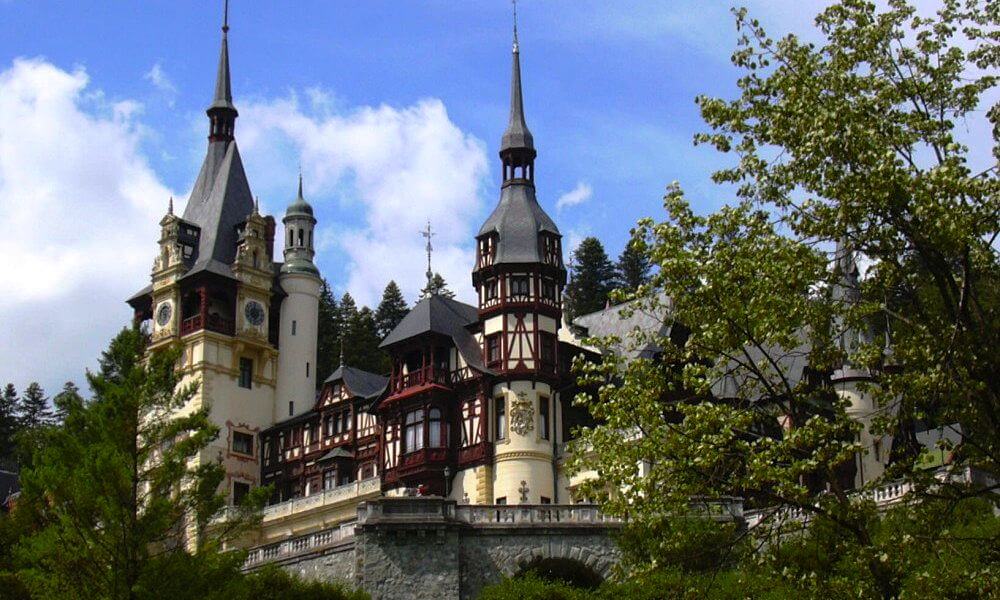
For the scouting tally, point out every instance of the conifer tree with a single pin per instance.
(69, 396)
(34, 409)
(591, 280)
(8, 422)
(633, 267)
(328, 335)
(120, 511)
(437, 287)
(391, 310)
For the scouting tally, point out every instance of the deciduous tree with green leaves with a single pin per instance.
(853, 141)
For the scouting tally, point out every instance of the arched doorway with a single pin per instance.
(566, 570)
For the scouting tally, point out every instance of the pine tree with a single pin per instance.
(633, 267)
(437, 287)
(35, 411)
(328, 336)
(8, 422)
(116, 496)
(592, 279)
(391, 310)
(64, 400)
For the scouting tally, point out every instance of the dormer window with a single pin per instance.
(491, 289)
(519, 285)
(487, 250)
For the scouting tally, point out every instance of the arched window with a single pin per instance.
(301, 237)
(291, 237)
(437, 437)
(414, 431)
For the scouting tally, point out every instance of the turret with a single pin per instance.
(298, 328)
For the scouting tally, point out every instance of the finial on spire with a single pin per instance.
(427, 233)
(256, 205)
(225, 17)
(514, 2)
(170, 206)
(300, 181)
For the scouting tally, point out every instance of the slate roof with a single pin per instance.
(611, 321)
(219, 203)
(446, 316)
(517, 221)
(517, 135)
(360, 383)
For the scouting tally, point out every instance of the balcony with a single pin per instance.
(338, 494)
(419, 379)
(211, 323)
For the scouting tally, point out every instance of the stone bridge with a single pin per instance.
(435, 548)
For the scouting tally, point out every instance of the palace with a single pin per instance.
(477, 404)
(456, 456)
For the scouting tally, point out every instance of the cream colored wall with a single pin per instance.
(522, 457)
(302, 306)
(871, 464)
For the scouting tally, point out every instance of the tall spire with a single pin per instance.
(430, 273)
(517, 136)
(222, 113)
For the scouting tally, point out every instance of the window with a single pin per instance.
(301, 236)
(414, 435)
(502, 500)
(543, 417)
(491, 289)
(548, 347)
(519, 285)
(240, 491)
(307, 370)
(291, 408)
(291, 237)
(294, 326)
(246, 373)
(243, 443)
(329, 479)
(345, 421)
(306, 435)
(501, 418)
(436, 431)
(546, 500)
(548, 290)
(328, 426)
(368, 470)
(493, 349)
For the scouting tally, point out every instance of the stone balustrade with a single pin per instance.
(302, 544)
(326, 498)
(527, 514)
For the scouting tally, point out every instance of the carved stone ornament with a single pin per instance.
(522, 415)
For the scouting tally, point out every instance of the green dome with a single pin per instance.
(299, 265)
(299, 207)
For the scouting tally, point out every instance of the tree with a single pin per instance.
(360, 337)
(8, 422)
(328, 335)
(633, 268)
(391, 309)
(437, 286)
(64, 400)
(122, 506)
(35, 411)
(851, 141)
(591, 280)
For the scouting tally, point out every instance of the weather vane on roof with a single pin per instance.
(428, 234)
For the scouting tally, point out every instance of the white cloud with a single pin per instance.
(399, 166)
(158, 77)
(578, 195)
(79, 207)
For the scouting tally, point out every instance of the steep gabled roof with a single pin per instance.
(517, 221)
(446, 316)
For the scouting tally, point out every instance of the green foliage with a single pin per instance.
(633, 267)
(592, 278)
(359, 337)
(531, 587)
(8, 422)
(437, 286)
(34, 408)
(274, 583)
(117, 507)
(391, 309)
(848, 142)
(64, 400)
(328, 335)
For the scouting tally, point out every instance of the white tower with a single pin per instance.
(298, 331)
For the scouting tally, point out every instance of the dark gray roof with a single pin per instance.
(360, 383)
(445, 316)
(299, 206)
(223, 97)
(613, 322)
(517, 134)
(517, 220)
(219, 203)
(338, 452)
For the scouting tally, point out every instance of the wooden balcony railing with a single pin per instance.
(212, 323)
(420, 377)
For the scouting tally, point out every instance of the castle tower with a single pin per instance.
(519, 276)
(850, 380)
(299, 326)
(213, 292)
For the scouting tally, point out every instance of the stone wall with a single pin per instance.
(336, 564)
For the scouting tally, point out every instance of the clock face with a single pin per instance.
(163, 314)
(254, 313)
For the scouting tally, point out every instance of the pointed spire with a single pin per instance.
(170, 206)
(301, 197)
(222, 113)
(430, 273)
(514, 2)
(517, 135)
(256, 205)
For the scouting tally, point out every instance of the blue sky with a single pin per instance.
(394, 109)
